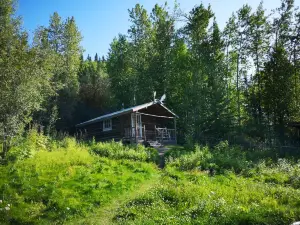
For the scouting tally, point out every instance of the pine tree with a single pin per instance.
(96, 58)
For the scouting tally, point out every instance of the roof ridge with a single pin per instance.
(124, 111)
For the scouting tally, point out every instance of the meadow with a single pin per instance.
(47, 181)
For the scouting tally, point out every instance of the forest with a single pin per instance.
(236, 91)
(242, 81)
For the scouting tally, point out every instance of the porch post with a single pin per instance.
(144, 133)
(136, 137)
(175, 130)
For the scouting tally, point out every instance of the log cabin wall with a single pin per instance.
(96, 130)
(150, 120)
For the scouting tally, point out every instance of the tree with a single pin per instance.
(24, 82)
(277, 92)
(282, 23)
(71, 59)
(140, 34)
(95, 94)
(96, 58)
(163, 31)
(259, 44)
(59, 44)
(119, 68)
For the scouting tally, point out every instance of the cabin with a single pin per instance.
(150, 123)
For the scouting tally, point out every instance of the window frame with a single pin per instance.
(106, 128)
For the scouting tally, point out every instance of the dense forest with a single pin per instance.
(242, 81)
(235, 90)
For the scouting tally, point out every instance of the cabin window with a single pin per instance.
(107, 125)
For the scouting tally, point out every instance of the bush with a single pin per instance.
(284, 172)
(28, 146)
(230, 158)
(116, 150)
(221, 158)
(198, 158)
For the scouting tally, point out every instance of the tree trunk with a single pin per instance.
(5, 146)
(238, 90)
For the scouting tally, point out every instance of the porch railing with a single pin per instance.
(156, 134)
(165, 134)
(129, 132)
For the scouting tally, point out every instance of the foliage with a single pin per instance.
(198, 158)
(196, 198)
(52, 181)
(240, 80)
(116, 150)
(64, 179)
(59, 45)
(221, 158)
(24, 82)
(282, 172)
(28, 146)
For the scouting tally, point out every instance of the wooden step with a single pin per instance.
(154, 144)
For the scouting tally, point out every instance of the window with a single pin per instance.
(107, 125)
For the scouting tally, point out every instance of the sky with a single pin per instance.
(99, 21)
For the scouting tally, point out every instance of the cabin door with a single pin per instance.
(136, 119)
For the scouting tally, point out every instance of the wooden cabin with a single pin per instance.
(151, 123)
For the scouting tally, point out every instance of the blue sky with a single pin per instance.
(99, 21)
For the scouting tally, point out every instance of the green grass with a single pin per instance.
(51, 186)
(65, 182)
(105, 215)
(196, 198)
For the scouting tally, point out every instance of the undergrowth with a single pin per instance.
(196, 198)
(48, 181)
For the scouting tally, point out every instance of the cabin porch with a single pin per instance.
(154, 130)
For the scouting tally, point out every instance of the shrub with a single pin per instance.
(284, 172)
(199, 158)
(221, 158)
(116, 150)
(229, 158)
(28, 146)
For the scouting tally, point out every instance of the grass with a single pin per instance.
(105, 214)
(65, 182)
(196, 198)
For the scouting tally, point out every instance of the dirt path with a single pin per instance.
(105, 214)
(161, 152)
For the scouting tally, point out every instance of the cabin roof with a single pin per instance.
(124, 111)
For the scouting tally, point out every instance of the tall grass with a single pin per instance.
(116, 150)
(243, 189)
(196, 198)
(49, 181)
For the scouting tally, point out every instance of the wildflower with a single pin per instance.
(1, 201)
(8, 205)
(68, 208)
(7, 208)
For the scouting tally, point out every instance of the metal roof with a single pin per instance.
(124, 111)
